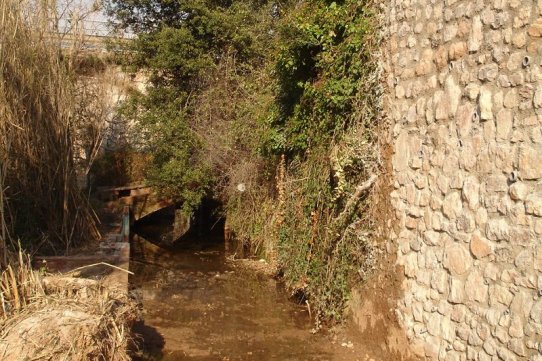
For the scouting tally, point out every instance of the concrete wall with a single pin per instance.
(464, 99)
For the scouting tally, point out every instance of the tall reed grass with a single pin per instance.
(40, 202)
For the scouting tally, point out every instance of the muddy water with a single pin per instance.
(198, 306)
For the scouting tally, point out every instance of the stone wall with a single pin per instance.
(464, 97)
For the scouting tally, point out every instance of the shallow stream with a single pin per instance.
(197, 305)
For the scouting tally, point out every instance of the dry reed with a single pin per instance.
(39, 105)
(59, 317)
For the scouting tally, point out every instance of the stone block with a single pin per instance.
(483, 356)
(456, 259)
(537, 98)
(441, 58)
(457, 291)
(535, 30)
(504, 124)
(452, 205)
(466, 222)
(480, 247)
(472, 354)
(491, 272)
(496, 183)
(432, 238)
(494, 314)
(481, 217)
(530, 162)
(506, 355)
(476, 35)
(538, 258)
(471, 192)
(500, 294)
(516, 327)
(411, 264)
(533, 204)
(497, 230)
(451, 165)
(453, 93)
(524, 260)
(443, 183)
(458, 312)
(536, 312)
(517, 79)
(518, 191)
(442, 105)
(514, 61)
(457, 181)
(474, 339)
(453, 356)
(511, 99)
(439, 281)
(486, 161)
(521, 304)
(485, 103)
(517, 346)
(488, 72)
(501, 334)
(472, 91)
(464, 119)
(457, 50)
(424, 67)
(519, 40)
(475, 287)
(431, 347)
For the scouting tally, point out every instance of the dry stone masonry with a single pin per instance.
(465, 101)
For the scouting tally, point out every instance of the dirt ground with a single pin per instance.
(374, 302)
(373, 315)
(372, 331)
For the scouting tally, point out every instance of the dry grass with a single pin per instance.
(39, 110)
(61, 318)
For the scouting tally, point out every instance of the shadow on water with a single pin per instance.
(149, 342)
(197, 306)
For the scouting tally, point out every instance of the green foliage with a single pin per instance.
(235, 85)
(323, 57)
(320, 252)
(325, 107)
(175, 168)
(180, 44)
(180, 41)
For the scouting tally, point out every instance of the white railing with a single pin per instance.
(92, 28)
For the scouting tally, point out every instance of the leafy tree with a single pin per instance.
(179, 44)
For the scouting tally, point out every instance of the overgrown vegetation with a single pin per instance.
(326, 109)
(185, 47)
(269, 106)
(48, 118)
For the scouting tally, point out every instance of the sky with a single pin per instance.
(94, 22)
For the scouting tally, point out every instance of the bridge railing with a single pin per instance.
(88, 34)
(92, 28)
